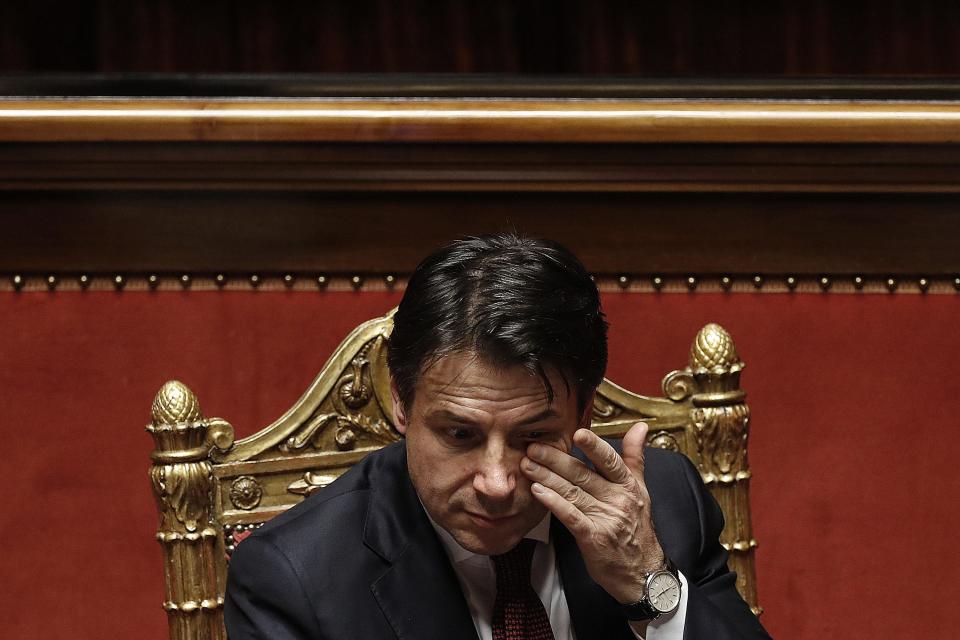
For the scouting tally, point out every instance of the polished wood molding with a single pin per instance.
(478, 120)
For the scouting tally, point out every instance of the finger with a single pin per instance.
(604, 457)
(575, 494)
(572, 518)
(633, 444)
(567, 467)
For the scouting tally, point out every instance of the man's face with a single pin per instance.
(466, 433)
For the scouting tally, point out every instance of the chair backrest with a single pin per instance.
(213, 491)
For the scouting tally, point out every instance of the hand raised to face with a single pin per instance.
(607, 509)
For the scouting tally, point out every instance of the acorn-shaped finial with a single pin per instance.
(713, 350)
(174, 404)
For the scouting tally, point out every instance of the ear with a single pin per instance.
(399, 414)
(587, 416)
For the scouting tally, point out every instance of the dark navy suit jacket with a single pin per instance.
(361, 561)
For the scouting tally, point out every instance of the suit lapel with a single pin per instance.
(419, 593)
(593, 613)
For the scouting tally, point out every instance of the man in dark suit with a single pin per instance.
(485, 522)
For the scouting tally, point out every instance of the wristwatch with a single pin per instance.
(661, 595)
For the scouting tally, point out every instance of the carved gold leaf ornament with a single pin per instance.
(663, 440)
(310, 483)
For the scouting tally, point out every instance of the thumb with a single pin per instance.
(633, 444)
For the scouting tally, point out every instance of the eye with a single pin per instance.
(459, 435)
(540, 435)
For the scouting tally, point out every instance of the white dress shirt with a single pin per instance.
(479, 583)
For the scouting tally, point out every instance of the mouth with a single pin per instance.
(489, 522)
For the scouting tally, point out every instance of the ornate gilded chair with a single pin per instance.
(212, 491)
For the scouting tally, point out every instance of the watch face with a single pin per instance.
(663, 591)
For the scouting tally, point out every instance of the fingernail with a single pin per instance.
(534, 450)
(536, 487)
(530, 465)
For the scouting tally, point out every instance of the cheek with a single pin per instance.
(435, 469)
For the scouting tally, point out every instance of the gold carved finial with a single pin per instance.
(714, 350)
(175, 404)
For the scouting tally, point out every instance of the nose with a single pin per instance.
(496, 478)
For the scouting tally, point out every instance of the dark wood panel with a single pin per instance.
(240, 232)
(683, 37)
(832, 168)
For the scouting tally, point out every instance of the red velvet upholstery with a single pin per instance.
(853, 447)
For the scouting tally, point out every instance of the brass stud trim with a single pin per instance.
(632, 282)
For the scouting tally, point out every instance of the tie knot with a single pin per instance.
(513, 567)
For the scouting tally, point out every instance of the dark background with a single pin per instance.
(677, 38)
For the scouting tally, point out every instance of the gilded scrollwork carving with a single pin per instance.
(246, 492)
(355, 387)
(603, 409)
(310, 483)
(353, 402)
(678, 385)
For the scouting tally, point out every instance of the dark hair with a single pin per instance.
(512, 301)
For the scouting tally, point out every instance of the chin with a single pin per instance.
(487, 545)
(491, 538)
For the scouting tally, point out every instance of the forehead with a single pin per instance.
(464, 378)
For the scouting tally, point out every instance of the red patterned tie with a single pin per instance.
(518, 613)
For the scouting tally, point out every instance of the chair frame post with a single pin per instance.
(720, 419)
(182, 478)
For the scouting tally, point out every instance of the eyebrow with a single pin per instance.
(450, 416)
(540, 417)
